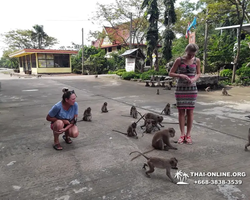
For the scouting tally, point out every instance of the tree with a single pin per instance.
(168, 35)
(152, 31)
(28, 39)
(240, 6)
(118, 14)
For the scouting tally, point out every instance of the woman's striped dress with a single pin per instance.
(186, 92)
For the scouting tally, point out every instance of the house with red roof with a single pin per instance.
(43, 61)
(115, 38)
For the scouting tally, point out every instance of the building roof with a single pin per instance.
(25, 52)
(132, 53)
(245, 27)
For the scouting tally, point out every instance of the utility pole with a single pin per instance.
(82, 50)
(205, 45)
(130, 32)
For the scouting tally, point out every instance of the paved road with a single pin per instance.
(97, 164)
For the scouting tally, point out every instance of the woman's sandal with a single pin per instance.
(67, 140)
(181, 139)
(188, 140)
(57, 147)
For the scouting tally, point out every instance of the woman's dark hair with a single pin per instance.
(67, 94)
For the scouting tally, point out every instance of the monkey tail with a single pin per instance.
(142, 116)
(140, 154)
(120, 132)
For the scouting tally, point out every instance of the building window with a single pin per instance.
(110, 49)
(61, 60)
(45, 60)
(119, 47)
(33, 60)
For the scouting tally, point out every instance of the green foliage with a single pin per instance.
(226, 73)
(119, 72)
(116, 61)
(8, 62)
(129, 75)
(94, 61)
(243, 72)
(147, 75)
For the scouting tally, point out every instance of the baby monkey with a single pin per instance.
(104, 107)
(166, 110)
(131, 131)
(224, 92)
(150, 126)
(161, 163)
(87, 116)
(133, 112)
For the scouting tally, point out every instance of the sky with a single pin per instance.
(61, 19)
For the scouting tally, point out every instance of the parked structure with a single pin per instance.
(44, 61)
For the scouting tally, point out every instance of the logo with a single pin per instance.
(181, 177)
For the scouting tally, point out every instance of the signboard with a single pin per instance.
(130, 65)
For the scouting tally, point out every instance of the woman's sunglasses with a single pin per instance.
(188, 69)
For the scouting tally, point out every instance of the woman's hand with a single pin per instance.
(192, 80)
(185, 77)
(66, 122)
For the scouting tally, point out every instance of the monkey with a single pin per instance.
(161, 163)
(87, 116)
(161, 139)
(104, 107)
(151, 125)
(157, 118)
(248, 144)
(208, 89)
(65, 90)
(157, 92)
(133, 112)
(224, 92)
(166, 110)
(131, 131)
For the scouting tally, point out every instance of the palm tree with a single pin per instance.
(39, 35)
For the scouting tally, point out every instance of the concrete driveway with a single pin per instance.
(97, 164)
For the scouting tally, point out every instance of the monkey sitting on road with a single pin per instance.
(157, 118)
(150, 126)
(166, 110)
(161, 163)
(87, 115)
(248, 144)
(208, 89)
(104, 107)
(224, 92)
(161, 139)
(131, 131)
(133, 112)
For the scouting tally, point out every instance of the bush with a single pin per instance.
(119, 72)
(147, 75)
(226, 73)
(243, 72)
(129, 75)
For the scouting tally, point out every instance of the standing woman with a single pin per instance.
(187, 70)
(63, 118)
